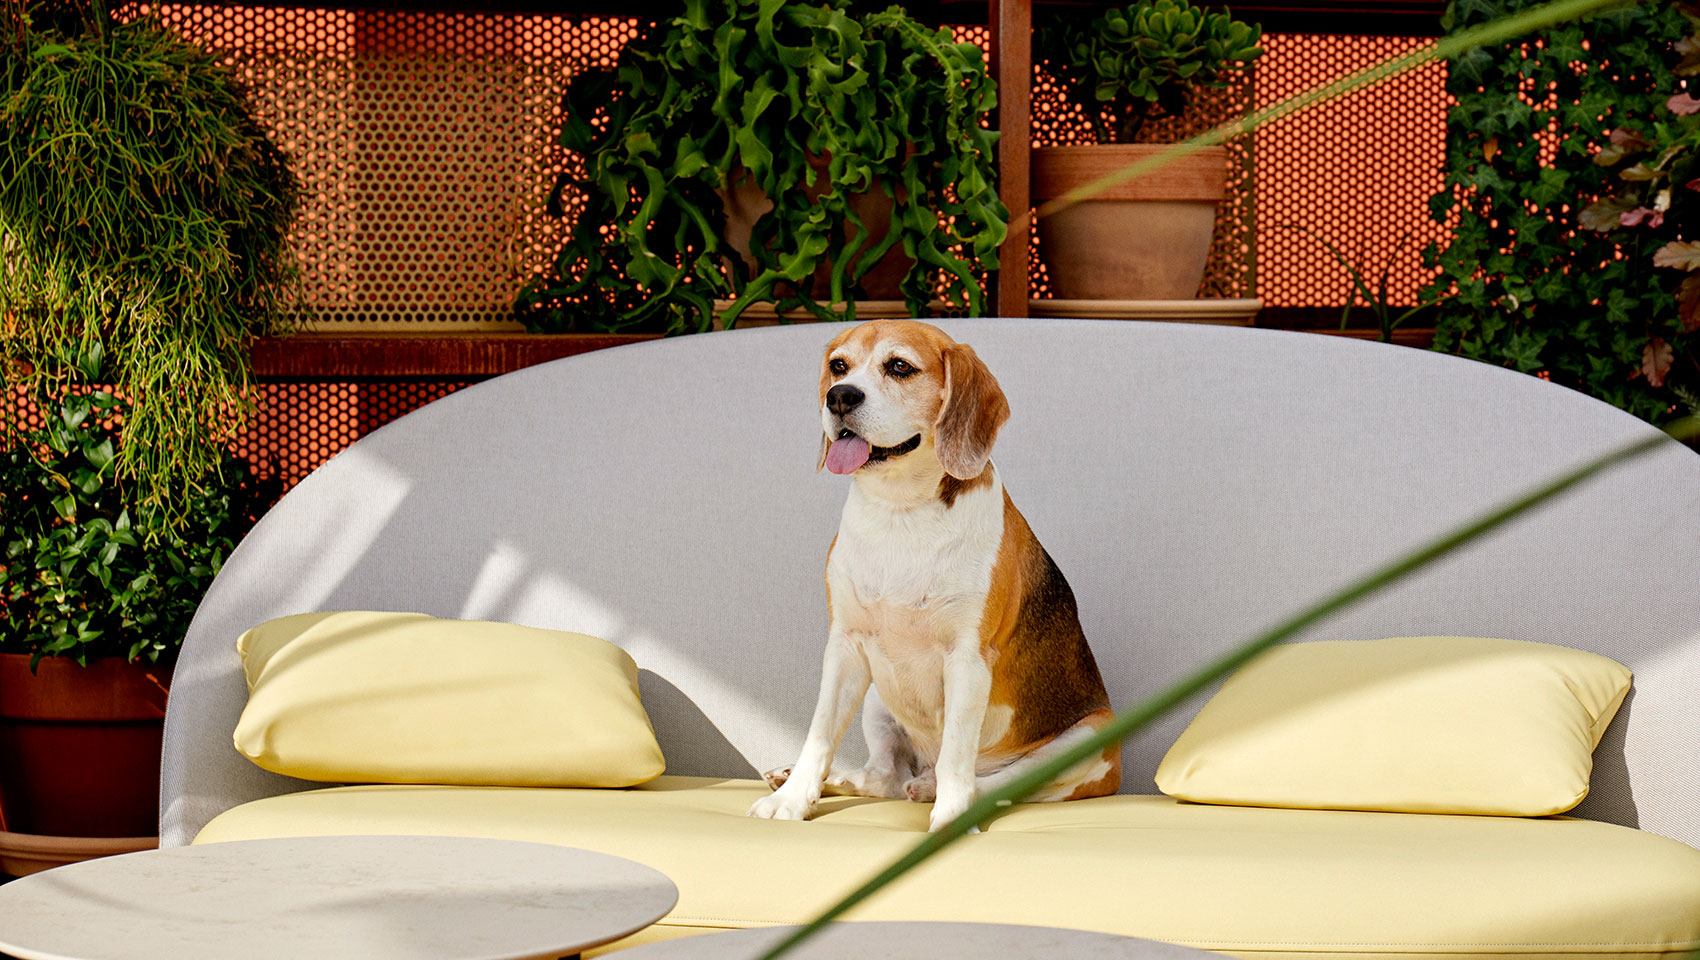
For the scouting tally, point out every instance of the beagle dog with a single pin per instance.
(951, 626)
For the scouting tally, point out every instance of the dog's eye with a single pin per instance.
(898, 367)
(838, 366)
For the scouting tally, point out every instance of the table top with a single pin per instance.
(935, 941)
(418, 898)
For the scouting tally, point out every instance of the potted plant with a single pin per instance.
(1388, 317)
(97, 586)
(755, 151)
(143, 222)
(1123, 68)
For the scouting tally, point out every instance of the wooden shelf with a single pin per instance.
(478, 356)
(1419, 337)
(1396, 17)
(472, 356)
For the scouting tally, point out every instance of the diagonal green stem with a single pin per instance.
(1125, 724)
(1447, 48)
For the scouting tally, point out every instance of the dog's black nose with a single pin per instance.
(843, 398)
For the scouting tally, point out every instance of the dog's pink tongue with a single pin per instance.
(847, 454)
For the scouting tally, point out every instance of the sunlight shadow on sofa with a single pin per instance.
(701, 749)
(1611, 796)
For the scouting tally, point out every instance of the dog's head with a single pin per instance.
(890, 389)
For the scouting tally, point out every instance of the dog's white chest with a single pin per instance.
(907, 561)
(908, 585)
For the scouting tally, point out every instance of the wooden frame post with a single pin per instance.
(1012, 67)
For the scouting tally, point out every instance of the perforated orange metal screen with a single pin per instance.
(302, 425)
(1356, 172)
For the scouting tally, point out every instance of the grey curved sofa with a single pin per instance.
(1194, 483)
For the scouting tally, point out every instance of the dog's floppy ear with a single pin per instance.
(825, 445)
(974, 411)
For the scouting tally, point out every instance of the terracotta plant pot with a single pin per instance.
(1143, 239)
(80, 747)
(22, 854)
(745, 203)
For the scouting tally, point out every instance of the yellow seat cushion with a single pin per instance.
(1254, 882)
(368, 697)
(1407, 724)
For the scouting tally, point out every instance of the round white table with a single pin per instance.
(376, 898)
(934, 941)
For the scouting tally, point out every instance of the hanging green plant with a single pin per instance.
(811, 108)
(143, 215)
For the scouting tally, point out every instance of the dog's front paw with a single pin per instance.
(781, 805)
(946, 810)
(776, 777)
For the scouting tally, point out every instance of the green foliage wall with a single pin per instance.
(1535, 292)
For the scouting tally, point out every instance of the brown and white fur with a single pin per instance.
(940, 597)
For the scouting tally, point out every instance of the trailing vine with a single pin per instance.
(811, 104)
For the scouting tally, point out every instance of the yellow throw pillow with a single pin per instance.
(1412, 724)
(407, 698)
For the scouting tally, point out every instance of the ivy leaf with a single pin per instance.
(99, 454)
(1688, 303)
(1626, 139)
(1656, 360)
(1623, 143)
(1633, 218)
(1550, 187)
(1681, 254)
(1473, 66)
(1682, 105)
(1605, 215)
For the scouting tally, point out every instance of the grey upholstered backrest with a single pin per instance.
(1193, 483)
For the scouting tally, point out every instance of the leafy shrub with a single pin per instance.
(1536, 289)
(89, 570)
(1151, 54)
